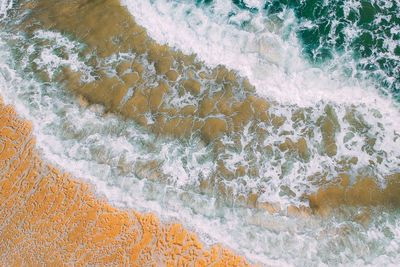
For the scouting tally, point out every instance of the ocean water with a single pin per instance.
(328, 68)
(310, 47)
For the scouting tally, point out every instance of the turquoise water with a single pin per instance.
(333, 32)
(297, 53)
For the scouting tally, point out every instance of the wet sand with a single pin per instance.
(47, 217)
(222, 104)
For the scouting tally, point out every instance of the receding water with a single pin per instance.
(326, 95)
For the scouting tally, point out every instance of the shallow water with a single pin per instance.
(156, 130)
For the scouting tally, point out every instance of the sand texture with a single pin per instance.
(48, 218)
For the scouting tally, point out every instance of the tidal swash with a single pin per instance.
(270, 127)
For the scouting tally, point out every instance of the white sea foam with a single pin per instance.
(103, 150)
(5, 5)
(259, 4)
(265, 50)
(100, 148)
(296, 172)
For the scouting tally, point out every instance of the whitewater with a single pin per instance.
(107, 151)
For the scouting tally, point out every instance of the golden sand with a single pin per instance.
(219, 109)
(47, 218)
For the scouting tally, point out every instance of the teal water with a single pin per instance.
(277, 44)
(366, 32)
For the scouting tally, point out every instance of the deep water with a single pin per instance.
(329, 68)
(366, 32)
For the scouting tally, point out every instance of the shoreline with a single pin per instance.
(48, 217)
(222, 104)
(148, 128)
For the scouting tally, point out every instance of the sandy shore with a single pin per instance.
(46, 217)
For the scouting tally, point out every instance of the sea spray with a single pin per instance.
(113, 153)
